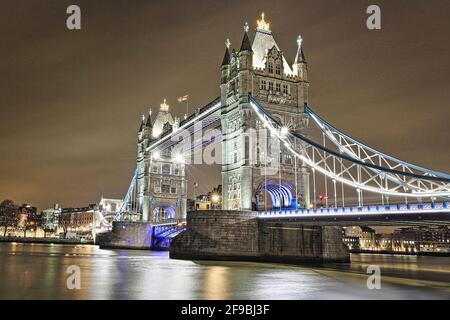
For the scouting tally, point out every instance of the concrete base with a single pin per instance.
(239, 235)
(128, 235)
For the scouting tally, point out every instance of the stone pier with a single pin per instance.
(239, 235)
(128, 235)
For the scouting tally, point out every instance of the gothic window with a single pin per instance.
(278, 69)
(262, 84)
(155, 169)
(235, 157)
(270, 67)
(166, 169)
(278, 87)
(173, 190)
(285, 89)
(177, 172)
(165, 188)
(270, 86)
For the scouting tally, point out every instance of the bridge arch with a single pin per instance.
(163, 213)
(274, 194)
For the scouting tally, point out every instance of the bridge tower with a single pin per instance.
(160, 182)
(261, 69)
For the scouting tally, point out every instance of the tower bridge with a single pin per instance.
(280, 161)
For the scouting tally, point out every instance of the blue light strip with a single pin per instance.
(374, 209)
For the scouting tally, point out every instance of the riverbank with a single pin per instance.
(45, 240)
(425, 254)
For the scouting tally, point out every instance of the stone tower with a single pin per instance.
(261, 69)
(160, 182)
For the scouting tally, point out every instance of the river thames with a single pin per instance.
(38, 271)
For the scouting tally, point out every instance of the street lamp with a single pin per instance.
(215, 200)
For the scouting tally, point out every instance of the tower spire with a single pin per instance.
(226, 58)
(246, 46)
(300, 57)
(149, 119)
(142, 123)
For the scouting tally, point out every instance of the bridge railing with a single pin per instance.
(369, 209)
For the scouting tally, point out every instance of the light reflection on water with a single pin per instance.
(38, 271)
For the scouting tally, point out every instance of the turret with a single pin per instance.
(246, 52)
(225, 70)
(245, 64)
(300, 67)
(225, 67)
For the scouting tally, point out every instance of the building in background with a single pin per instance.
(50, 219)
(28, 218)
(77, 222)
(419, 240)
(365, 235)
(422, 239)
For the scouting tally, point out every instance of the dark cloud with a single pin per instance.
(71, 101)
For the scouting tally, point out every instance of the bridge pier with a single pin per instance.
(239, 235)
(136, 235)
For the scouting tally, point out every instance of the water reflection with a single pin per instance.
(38, 271)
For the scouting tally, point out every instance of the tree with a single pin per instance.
(65, 222)
(9, 215)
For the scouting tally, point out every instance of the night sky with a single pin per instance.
(71, 101)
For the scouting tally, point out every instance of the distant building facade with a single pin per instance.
(50, 218)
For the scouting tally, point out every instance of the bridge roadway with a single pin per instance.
(387, 215)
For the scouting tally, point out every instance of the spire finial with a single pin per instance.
(143, 117)
(262, 24)
(164, 106)
(299, 40)
(150, 111)
(246, 27)
(227, 43)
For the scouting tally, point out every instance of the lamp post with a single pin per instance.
(215, 200)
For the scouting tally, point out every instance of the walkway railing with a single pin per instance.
(371, 209)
